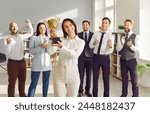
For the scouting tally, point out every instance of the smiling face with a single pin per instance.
(69, 27)
(13, 27)
(85, 26)
(42, 29)
(105, 25)
(127, 26)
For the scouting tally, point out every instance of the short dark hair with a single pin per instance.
(85, 21)
(73, 23)
(106, 18)
(37, 29)
(129, 20)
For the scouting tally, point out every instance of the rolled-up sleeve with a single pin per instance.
(135, 47)
(110, 50)
(7, 46)
(29, 32)
(51, 49)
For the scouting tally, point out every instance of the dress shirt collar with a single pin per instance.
(129, 33)
(86, 32)
(104, 32)
(13, 35)
(76, 37)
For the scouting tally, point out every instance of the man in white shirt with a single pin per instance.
(128, 49)
(102, 42)
(16, 64)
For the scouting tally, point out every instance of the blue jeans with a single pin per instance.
(34, 81)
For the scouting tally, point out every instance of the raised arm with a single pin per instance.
(29, 30)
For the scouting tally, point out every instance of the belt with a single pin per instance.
(11, 60)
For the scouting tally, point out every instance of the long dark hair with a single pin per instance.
(37, 29)
(73, 23)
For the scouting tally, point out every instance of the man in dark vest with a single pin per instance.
(85, 59)
(129, 53)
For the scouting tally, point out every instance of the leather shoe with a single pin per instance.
(123, 95)
(88, 94)
(80, 94)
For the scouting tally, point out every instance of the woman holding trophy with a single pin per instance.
(66, 75)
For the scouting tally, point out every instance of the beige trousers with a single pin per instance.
(66, 81)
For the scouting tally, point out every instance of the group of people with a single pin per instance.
(96, 55)
(79, 53)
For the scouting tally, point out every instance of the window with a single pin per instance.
(109, 3)
(104, 8)
(144, 40)
(110, 12)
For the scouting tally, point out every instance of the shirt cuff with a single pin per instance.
(133, 48)
(29, 25)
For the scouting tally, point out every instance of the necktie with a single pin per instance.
(126, 36)
(85, 37)
(100, 43)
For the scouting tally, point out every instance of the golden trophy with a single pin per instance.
(52, 24)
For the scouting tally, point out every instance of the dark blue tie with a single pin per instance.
(100, 43)
(85, 37)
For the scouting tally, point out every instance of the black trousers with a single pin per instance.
(131, 67)
(102, 61)
(85, 64)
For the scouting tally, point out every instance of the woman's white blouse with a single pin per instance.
(71, 50)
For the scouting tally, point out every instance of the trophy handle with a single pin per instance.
(45, 22)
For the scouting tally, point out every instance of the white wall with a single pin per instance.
(37, 10)
(128, 9)
(18, 10)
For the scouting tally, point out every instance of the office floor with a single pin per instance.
(115, 86)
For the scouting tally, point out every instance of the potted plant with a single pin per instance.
(121, 27)
(144, 74)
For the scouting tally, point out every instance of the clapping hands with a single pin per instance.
(44, 44)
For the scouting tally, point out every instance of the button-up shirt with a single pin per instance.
(87, 34)
(15, 50)
(104, 47)
(67, 67)
(71, 50)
